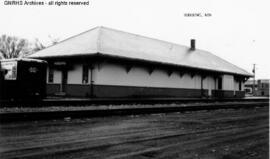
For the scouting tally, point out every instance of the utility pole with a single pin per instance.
(254, 67)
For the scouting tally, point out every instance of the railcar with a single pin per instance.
(22, 79)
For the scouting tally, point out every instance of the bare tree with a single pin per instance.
(38, 46)
(12, 47)
(54, 40)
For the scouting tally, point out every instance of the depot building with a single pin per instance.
(104, 62)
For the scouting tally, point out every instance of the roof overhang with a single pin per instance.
(127, 61)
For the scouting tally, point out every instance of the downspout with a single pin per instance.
(215, 91)
(202, 87)
(92, 67)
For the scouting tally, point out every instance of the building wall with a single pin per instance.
(263, 88)
(228, 82)
(112, 74)
(209, 84)
(236, 85)
(75, 74)
(133, 91)
(113, 80)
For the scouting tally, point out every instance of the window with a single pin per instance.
(85, 74)
(50, 80)
(10, 70)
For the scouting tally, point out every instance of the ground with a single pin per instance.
(221, 134)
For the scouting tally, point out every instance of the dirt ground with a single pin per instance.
(221, 134)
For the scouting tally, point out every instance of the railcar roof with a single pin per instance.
(23, 59)
(111, 42)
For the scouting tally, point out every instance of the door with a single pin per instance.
(219, 83)
(64, 81)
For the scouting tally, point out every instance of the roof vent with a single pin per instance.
(192, 44)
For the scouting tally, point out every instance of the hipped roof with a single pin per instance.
(115, 43)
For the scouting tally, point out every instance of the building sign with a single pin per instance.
(10, 70)
(60, 63)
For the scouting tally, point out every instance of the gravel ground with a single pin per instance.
(221, 134)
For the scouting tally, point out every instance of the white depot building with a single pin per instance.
(104, 62)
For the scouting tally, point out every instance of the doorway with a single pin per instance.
(219, 83)
(63, 86)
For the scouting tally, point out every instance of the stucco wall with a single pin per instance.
(228, 82)
(209, 83)
(112, 74)
(108, 76)
(236, 85)
(75, 74)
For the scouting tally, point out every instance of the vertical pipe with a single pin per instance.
(254, 65)
(61, 84)
(192, 44)
(202, 86)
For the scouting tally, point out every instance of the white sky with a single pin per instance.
(237, 31)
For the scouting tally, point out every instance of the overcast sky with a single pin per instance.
(237, 31)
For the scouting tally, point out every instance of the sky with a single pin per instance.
(237, 30)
